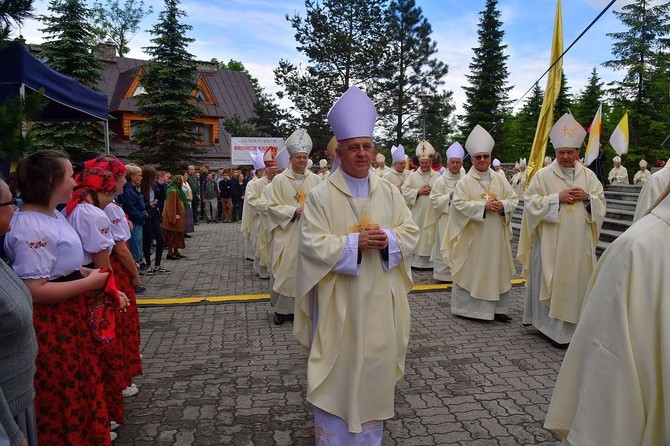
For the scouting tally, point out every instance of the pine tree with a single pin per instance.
(564, 99)
(120, 23)
(167, 138)
(13, 11)
(642, 51)
(521, 127)
(487, 97)
(589, 100)
(344, 41)
(411, 71)
(70, 39)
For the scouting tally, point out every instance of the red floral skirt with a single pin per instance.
(70, 406)
(128, 323)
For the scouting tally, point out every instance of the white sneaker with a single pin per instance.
(130, 391)
(112, 436)
(113, 425)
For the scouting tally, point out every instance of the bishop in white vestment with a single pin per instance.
(563, 213)
(477, 240)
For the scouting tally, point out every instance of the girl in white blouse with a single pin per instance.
(46, 253)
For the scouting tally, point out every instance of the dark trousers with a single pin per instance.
(150, 231)
(195, 205)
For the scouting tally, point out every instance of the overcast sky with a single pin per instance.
(257, 33)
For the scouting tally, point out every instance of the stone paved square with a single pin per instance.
(223, 374)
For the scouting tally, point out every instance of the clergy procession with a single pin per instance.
(339, 249)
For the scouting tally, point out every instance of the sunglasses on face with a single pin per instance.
(481, 157)
(12, 202)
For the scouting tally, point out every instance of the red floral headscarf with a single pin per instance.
(109, 163)
(90, 180)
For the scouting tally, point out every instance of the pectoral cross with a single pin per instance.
(300, 197)
(364, 223)
(488, 195)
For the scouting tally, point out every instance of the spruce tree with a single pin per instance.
(344, 41)
(564, 99)
(411, 72)
(522, 126)
(167, 138)
(589, 100)
(14, 11)
(642, 52)
(487, 97)
(70, 38)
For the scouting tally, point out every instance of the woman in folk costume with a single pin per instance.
(85, 212)
(642, 175)
(352, 313)
(477, 239)
(398, 173)
(612, 388)
(563, 213)
(127, 276)
(440, 201)
(287, 197)
(618, 174)
(416, 190)
(47, 254)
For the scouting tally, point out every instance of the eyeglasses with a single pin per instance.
(481, 157)
(12, 202)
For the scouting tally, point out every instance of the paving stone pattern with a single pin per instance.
(223, 374)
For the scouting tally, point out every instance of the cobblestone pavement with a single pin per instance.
(223, 374)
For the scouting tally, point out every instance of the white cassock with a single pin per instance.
(253, 196)
(352, 312)
(652, 191)
(288, 193)
(477, 246)
(618, 175)
(420, 207)
(440, 201)
(323, 175)
(381, 171)
(557, 248)
(264, 237)
(519, 184)
(245, 228)
(396, 178)
(641, 177)
(612, 387)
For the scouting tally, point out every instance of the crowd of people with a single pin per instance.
(338, 248)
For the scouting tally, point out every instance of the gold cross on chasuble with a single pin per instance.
(488, 195)
(363, 224)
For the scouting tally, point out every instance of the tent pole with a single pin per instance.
(22, 95)
(106, 124)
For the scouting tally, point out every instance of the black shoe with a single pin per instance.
(187, 236)
(502, 318)
(558, 345)
(279, 319)
(139, 289)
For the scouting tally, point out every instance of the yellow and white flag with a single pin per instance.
(593, 146)
(546, 118)
(619, 139)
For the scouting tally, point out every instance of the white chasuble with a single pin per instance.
(357, 348)
(396, 178)
(477, 243)
(613, 385)
(566, 236)
(440, 201)
(421, 210)
(289, 192)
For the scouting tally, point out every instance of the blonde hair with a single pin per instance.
(132, 169)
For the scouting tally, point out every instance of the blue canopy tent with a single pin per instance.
(67, 100)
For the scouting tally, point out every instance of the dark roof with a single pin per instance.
(232, 91)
